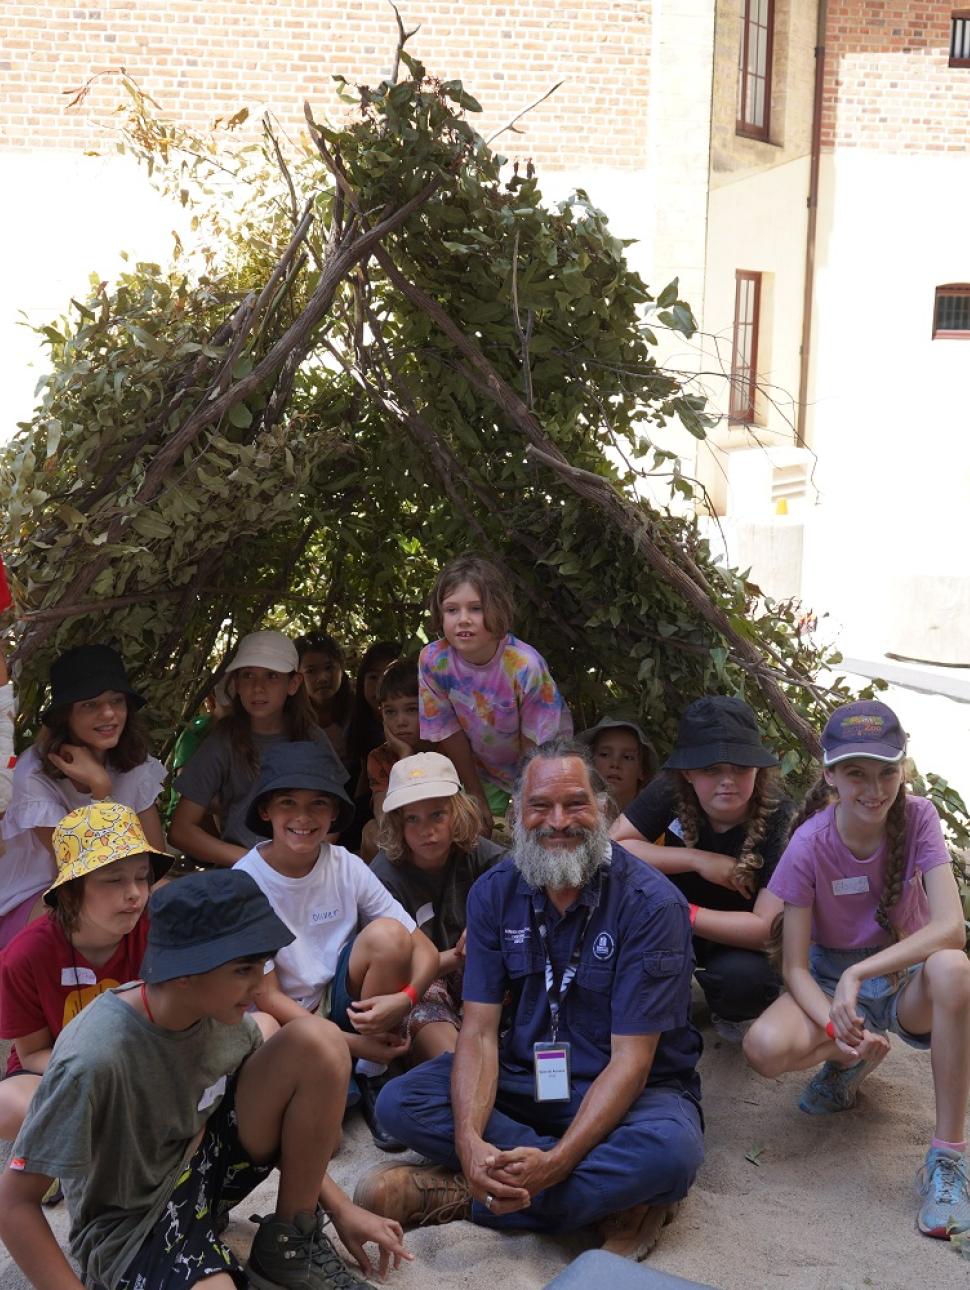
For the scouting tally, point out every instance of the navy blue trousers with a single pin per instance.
(652, 1155)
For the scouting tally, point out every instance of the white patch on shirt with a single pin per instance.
(212, 1094)
(73, 976)
(518, 935)
(425, 914)
(850, 886)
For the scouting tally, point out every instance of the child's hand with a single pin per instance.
(356, 1226)
(397, 746)
(716, 869)
(380, 1013)
(381, 1048)
(83, 769)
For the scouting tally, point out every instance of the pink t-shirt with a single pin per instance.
(498, 704)
(818, 871)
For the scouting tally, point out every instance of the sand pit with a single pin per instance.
(829, 1206)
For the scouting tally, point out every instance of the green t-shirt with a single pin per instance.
(115, 1115)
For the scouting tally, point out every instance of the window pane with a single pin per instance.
(758, 113)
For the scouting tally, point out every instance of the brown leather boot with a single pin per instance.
(632, 1233)
(415, 1195)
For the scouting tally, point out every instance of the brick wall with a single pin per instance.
(888, 86)
(206, 58)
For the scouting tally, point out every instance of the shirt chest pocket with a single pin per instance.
(473, 708)
(526, 993)
(594, 985)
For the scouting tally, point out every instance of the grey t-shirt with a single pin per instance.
(217, 774)
(436, 899)
(114, 1116)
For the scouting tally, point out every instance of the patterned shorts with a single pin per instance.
(183, 1248)
(440, 1002)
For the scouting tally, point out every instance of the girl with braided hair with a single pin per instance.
(715, 822)
(873, 942)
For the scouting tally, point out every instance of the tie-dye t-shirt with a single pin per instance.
(497, 704)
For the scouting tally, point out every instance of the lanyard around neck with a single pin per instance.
(557, 993)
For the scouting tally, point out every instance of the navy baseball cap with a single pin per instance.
(864, 729)
(300, 765)
(202, 921)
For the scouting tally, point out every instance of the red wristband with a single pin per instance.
(411, 993)
(692, 911)
(830, 1029)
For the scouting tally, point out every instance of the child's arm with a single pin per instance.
(796, 939)
(26, 1233)
(706, 864)
(270, 998)
(34, 1051)
(946, 930)
(189, 836)
(459, 751)
(151, 822)
(749, 930)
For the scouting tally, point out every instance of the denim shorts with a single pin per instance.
(878, 996)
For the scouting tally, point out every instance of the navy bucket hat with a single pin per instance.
(300, 765)
(200, 922)
(720, 728)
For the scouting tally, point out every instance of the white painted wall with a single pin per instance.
(64, 217)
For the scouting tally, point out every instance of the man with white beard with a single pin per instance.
(572, 1097)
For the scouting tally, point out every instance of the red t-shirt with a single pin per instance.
(45, 984)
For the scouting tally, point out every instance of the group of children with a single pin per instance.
(295, 961)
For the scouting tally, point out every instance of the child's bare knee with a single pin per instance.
(387, 938)
(948, 976)
(761, 1050)
(319, 1043)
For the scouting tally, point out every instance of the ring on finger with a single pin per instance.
(488, 1200)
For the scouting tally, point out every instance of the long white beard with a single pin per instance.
(559, 867)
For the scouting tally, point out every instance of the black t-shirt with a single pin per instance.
(436, 900)
(654, 814)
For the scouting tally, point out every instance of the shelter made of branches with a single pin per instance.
(385, 348)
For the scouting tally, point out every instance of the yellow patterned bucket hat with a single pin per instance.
(98, 835)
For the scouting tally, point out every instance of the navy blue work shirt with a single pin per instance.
(633, 975)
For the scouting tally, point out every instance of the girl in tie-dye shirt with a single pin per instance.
(485, 696)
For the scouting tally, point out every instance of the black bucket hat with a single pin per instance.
(85, 672)
(718, 728)
(300, 765)
(199, 922)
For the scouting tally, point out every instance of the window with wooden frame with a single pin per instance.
(744, 358)
(960, 38)
(754, 68)
(951, 313)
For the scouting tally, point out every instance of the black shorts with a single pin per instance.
(183, 1248)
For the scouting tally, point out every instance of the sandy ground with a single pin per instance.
(829, 1206)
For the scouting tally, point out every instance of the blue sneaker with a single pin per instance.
(834, 1088)
(943, 1181)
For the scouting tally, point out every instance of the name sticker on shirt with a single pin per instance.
(850, 886)
(323, 916)
(212, 1094)
(74, 976)
(551, 1062)
(425, 914)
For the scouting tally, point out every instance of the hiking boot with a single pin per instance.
(834, 1088)
(415, 1195)
(632, 1233)
(297, 1256)
(943, 1181)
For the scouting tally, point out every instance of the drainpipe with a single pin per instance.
(809, 291)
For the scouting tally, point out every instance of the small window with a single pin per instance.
(951, 316)
(754, 67)
(960, 38)
(744, 361)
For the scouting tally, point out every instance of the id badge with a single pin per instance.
(551, 1065)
